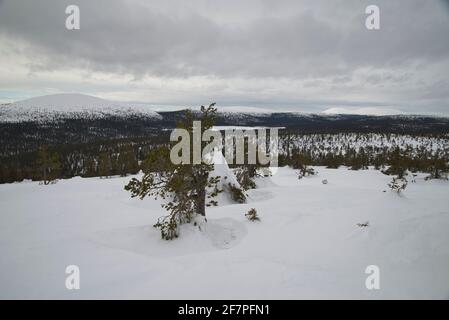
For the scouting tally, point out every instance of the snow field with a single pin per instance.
(307, 244)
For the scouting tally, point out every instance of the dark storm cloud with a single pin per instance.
(300, 40)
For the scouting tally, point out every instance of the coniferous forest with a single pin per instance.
(118, 146)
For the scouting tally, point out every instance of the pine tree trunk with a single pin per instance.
(201, 202)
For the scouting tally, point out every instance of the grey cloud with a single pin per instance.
(131, 37)
(298, 40)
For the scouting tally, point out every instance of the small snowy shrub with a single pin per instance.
(398, 184)
(252, 215)
(305, 171)
(362, 225)
(243, 176)
(169, 228)
(51, 182)
(237, 194)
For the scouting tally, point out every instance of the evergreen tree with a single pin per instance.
(397, 163)
(89, 167)
(437, 168)
(127, 162)
(48, 165)
(184, 185)
(104, 165)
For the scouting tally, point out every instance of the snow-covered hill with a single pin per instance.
(68, 106)
(374, 111)
(47, 109)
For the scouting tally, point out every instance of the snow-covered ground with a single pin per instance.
(307, 245)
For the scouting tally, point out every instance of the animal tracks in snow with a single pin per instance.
(225, 233)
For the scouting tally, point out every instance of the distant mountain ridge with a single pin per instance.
(70, 106)
(82, 117)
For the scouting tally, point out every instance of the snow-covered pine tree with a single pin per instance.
(398, 184)
(183, 185)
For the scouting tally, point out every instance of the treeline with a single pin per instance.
(100, 159)
(391, 153)
(397, 158)
(424, 153)
(24, 137)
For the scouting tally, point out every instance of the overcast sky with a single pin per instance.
(290, 55)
